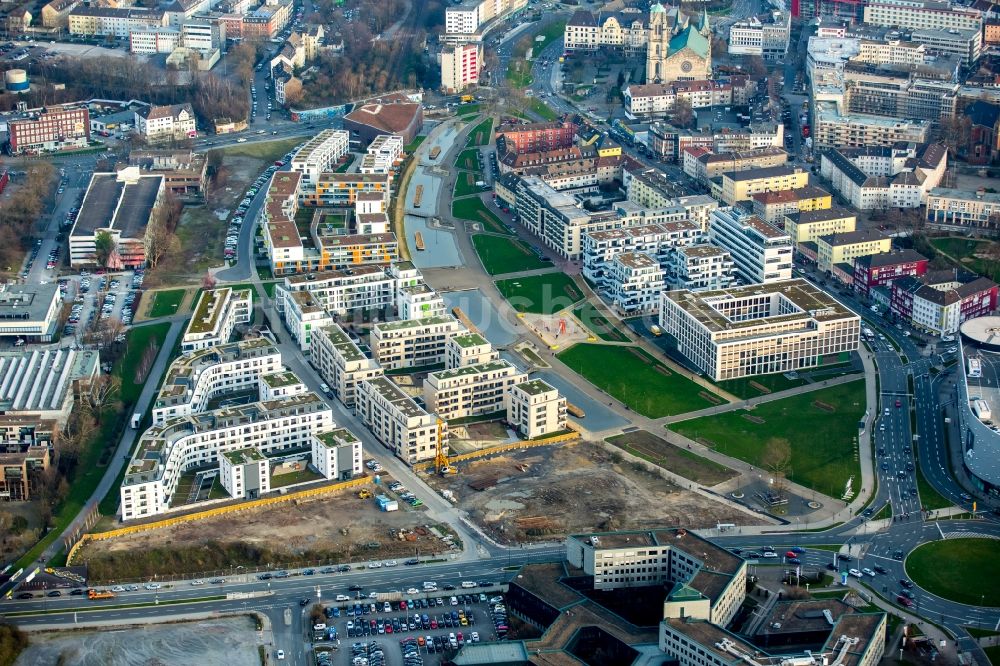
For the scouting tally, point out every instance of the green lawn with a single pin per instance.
(502, 254)
(289, 478)
(744, 386)
(468, 160)
(822, 463)
(543, 110)
(137, 341)
(269, 288)
(598, 323)
(637, 379)
(166, 302)
(413, 145)
(474, 210)
(930, 499)
(540, 294)
(660, 452)
(465, 184)
(481, 134)
(963, 251)
(268, 151)
(993, 654)
(954, 569)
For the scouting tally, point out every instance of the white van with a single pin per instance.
(430, 585)
(343, 597)
(770, 555)
(467, 584)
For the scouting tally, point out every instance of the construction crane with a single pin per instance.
(441, 458)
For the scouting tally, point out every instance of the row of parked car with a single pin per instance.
(231, 249)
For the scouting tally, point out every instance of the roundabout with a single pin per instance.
(959, 569)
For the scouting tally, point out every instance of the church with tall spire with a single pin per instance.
(679, 45)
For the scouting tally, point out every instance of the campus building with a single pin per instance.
(761, 252)
(195, 379)
(120, 205)
(470, 390)
(216, 315)
(29, 312)
(535, 409)
(340, 362)
(392, 416)
(759, 329)
(168, 451)
(412, 343)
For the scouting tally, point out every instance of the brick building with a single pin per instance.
(534, 137)
(878, 270)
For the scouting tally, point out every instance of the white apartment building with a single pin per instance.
(359, 288)
(412, 343)
(967, 44)
(460, 67)
(337, 454)
(463, 19)
(885, 177)
(245, 473)
(767, 38)
(759, 329)
(761, 252)
(202, 35)
(387, 149)
(634, 281)
(922, 14)
(340, 362)
(321, 153)
(535, 409)
(419, 301)
(468, 349)
(302, 313)
(153, 39)
(195, 379)
(470, 390)
(406, 429)
(165, 123)
(166, 452)
(699, 268)
(216, 315)
(655, 240)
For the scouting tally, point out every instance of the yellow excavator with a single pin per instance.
(441, 463)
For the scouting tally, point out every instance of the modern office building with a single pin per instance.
(700, 267)
(340, 362)
(215, 317)
(405, 428)
(535, 409)
(833, 129)
(337, 454)
(120, 205)
(470, 390)
(761, 252)
(844, 248)
(168, 451)
(320, 154)
(922, 15)
(765, 36)
(411, 343)
(759, 329)
(808, 226)
(29, 312)
(195, 379)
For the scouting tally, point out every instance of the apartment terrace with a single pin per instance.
(535, 387)
(468, 370)
(244, 456)
(333, 439)
(406, 324)
(277, 380)
(210, 308)
(468, 340)
(184, 370)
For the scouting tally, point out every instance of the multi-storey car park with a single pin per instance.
(194, 380)
(759, 329)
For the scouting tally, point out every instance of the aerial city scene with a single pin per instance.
(500, 332)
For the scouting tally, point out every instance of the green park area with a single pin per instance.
(543, 110)
(166, 302)
(660, 452)
(468, 160)
(955, 569)
(413, 145)
(598, 324)
(980, 256)
(474, 210)
(634, 377)
(540, 294)
(782, 436)
(465, 184)
(502, 254)
(754, 387)
(481, 133)
(268, 151)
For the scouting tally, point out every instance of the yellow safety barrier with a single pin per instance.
(504, 448)
(216, 511)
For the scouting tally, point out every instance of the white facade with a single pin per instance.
(758, 329)
(634, 282)
(337, 454)
(151, 40)
(761, 253)
(166, 452)
(460, 67)
(413, 342)
(471, 390)
(245, 473)
(196, 378)
(216, 315)
(468, 349)
(360, 288)
(656, 240)
(535, 409)
(159, 123)
(321, 153)
(340, 362)
(398, 422)
(29, 311)
(767, 38)
(302, 314)
(924, 14)
(699, 268)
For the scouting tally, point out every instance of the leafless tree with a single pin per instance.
(683, 114)
(103, 392)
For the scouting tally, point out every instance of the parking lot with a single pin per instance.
(422, 628)
(98, 298)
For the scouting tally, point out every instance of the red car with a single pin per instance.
(903, 600)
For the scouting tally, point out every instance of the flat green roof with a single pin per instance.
(243, 456)
(412, 323)
(536, 386)
(472, 369)
(334, 438)
(208, 310)
(469, 340)
(280, 379)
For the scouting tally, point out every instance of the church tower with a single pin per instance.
(659, 43)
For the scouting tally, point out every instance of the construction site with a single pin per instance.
(342, 528)
(547, 492)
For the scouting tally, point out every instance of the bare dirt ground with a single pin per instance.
(548, 492)
(300, 533)
(212, 643)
